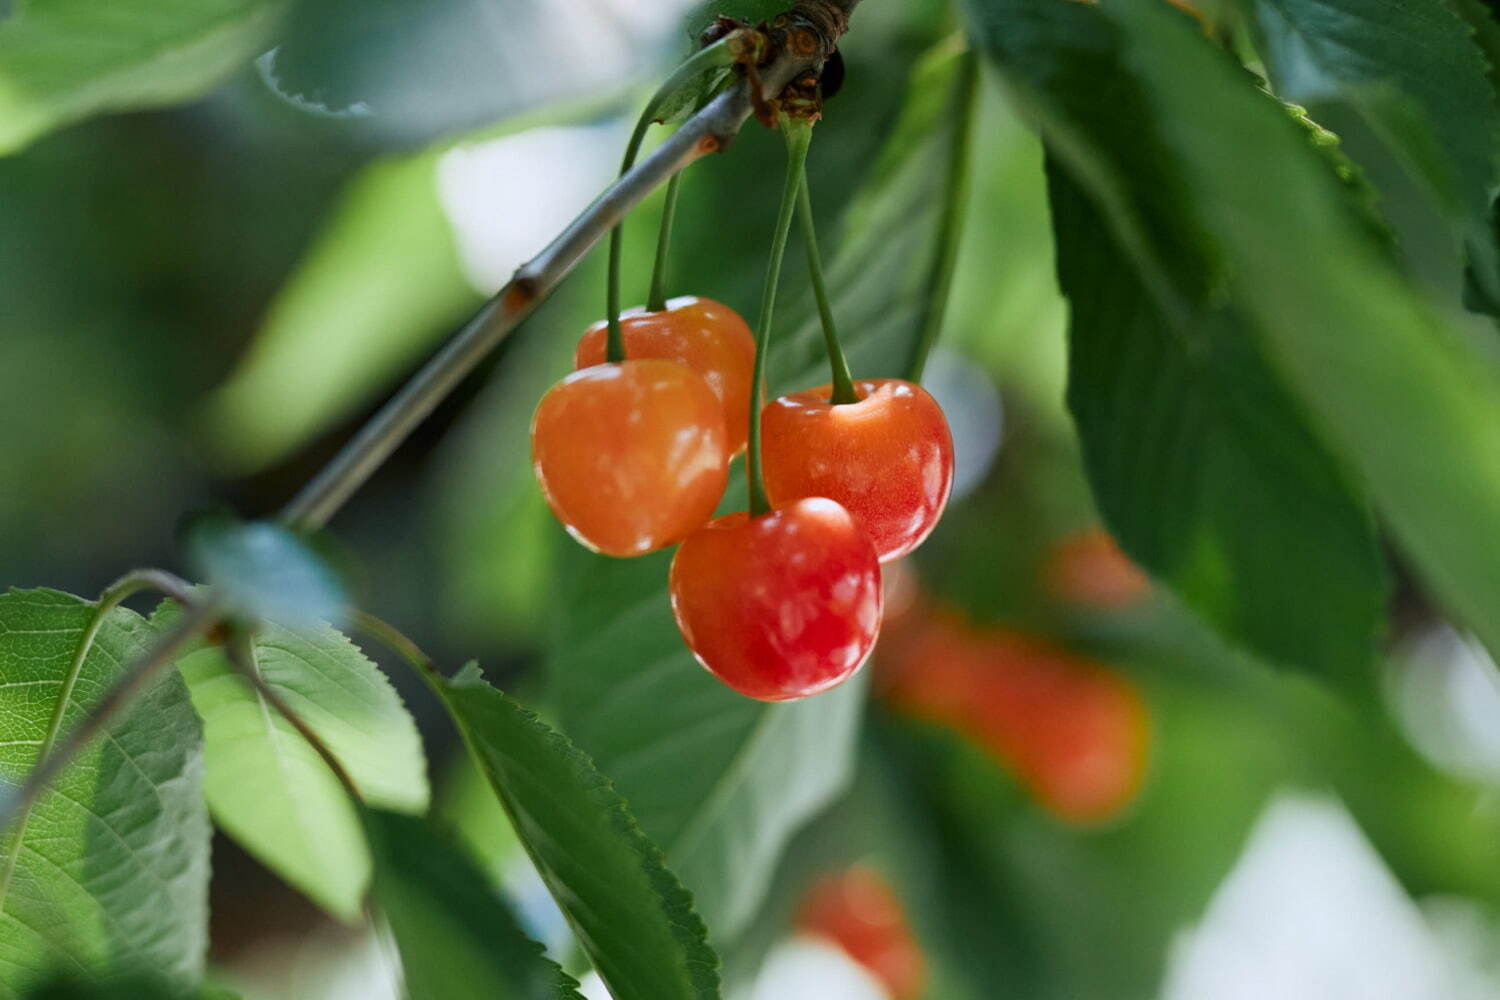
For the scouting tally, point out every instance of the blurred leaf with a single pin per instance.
(633, 918)
(1412, 71)
(264, 571)
(1393, 389)
(269, 789)
(109, 870)
(379, 283)
(411, 248)
(457, 939)
(1397, 390)
(413, 72)
(63, 60)
(1206, 471)
(127, 988)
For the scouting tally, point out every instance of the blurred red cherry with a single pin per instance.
(858, 910)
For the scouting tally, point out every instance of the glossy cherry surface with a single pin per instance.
(631, 457)
(887, 458)
(706, 336)
(1074, 732)
(780, 606)
(858, 910)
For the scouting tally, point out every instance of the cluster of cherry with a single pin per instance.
(633, 457)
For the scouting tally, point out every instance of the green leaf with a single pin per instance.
(109, 870)
(1390, 386)
(1203, 467)
(1412, 71)
(457, 939)
(721, 781)
(62, 60)
(270, 790)
(1206, 470)
(632, 916)
(264, 571)
(128, 988)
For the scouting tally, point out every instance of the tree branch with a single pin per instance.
(809, 33)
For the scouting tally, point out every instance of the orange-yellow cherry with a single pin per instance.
(888, 458)
(706, 336)
(631, 456)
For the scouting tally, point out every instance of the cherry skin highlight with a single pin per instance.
(887, 458)
(780, 606)
(631, 457)
(706, 336)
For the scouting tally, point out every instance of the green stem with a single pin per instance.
(950, 226)
(656, 299)
(717, 54)
(843, 382)
(798, 137)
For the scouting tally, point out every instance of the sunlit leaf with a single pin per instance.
(269, 789)
(63, 60)
(109, 869)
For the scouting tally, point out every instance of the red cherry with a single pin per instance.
(888, 458)
(1075, 733)
(1089, 569)
(631, 456)
(859, 911)
(780, 606)
(706, 336)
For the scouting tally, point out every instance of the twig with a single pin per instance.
(241, 653)
(817, 26)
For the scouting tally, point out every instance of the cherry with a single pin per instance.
(631, 457)
(1075, 733)
(888, 458)
(858, 910)
(779, 606)
(706, 336)
(1089, 569)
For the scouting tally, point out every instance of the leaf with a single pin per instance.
(1206, 470)
(109, 870)
(269, 790)
(1389, 385)
(1412, 71)
(632, 916)
(1203, 466)
(264, 571)
(457, 940)
(720, 781)
(64, 60)
(128, 988)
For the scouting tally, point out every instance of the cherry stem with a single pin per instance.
(715, 55)
(798, 137)
(843, 382)
(950, 226)
(656, 298)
